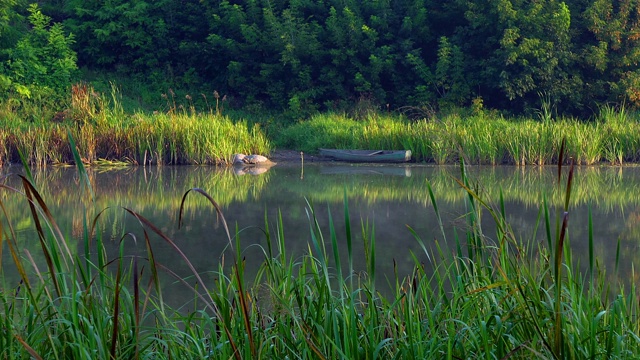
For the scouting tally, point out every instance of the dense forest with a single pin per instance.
(307, 55)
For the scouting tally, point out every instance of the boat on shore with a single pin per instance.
(368, 156)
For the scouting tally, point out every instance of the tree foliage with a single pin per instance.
(42, 60)
(612, 55)
(305, 55)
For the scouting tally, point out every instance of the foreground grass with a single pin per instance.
(493, 296)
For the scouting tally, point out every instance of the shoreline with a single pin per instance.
(282, 156)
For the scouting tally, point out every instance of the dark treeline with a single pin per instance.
(303, 55)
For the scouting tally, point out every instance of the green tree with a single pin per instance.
(187, 31)
(414, 43)
(42, 60)
(244, 59)
(534, 47)
(612, 55)
(450, 79)
(300, 57)
(303, 55)
(130, 36)
(6, 13)
(8, 38)
(516, 49)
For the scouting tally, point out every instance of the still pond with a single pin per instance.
(384, 200)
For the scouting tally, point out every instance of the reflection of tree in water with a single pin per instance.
(161, 188)
(387, 201)
(154, 192)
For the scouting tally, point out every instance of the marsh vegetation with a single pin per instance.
(189, 133)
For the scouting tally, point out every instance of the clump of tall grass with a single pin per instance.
(619, 129)
(103, 130)
(505, 297)
(322, 130)
(479, 138)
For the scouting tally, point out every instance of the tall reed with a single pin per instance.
(103, 130)
(478, 138)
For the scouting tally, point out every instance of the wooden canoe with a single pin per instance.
(369, 156)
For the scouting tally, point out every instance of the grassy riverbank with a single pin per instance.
(103, 130)
(141, 139)
(194, 130)
(480, 138)
(494, 296)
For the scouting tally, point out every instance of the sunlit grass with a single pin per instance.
(159, 140)
(187, 132)
(478, 138)
(103, 130)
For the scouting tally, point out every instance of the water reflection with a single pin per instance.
(386, 198)
(243, 169)
(365, 170)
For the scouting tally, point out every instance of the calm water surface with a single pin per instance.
(386, 198)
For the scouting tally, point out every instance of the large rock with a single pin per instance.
(256, 160)
(238, 159)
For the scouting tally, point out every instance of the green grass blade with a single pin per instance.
(81, 169)
(334, 247)
(347, 225)
(437, 212)
(25, 166)
(591, 255)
